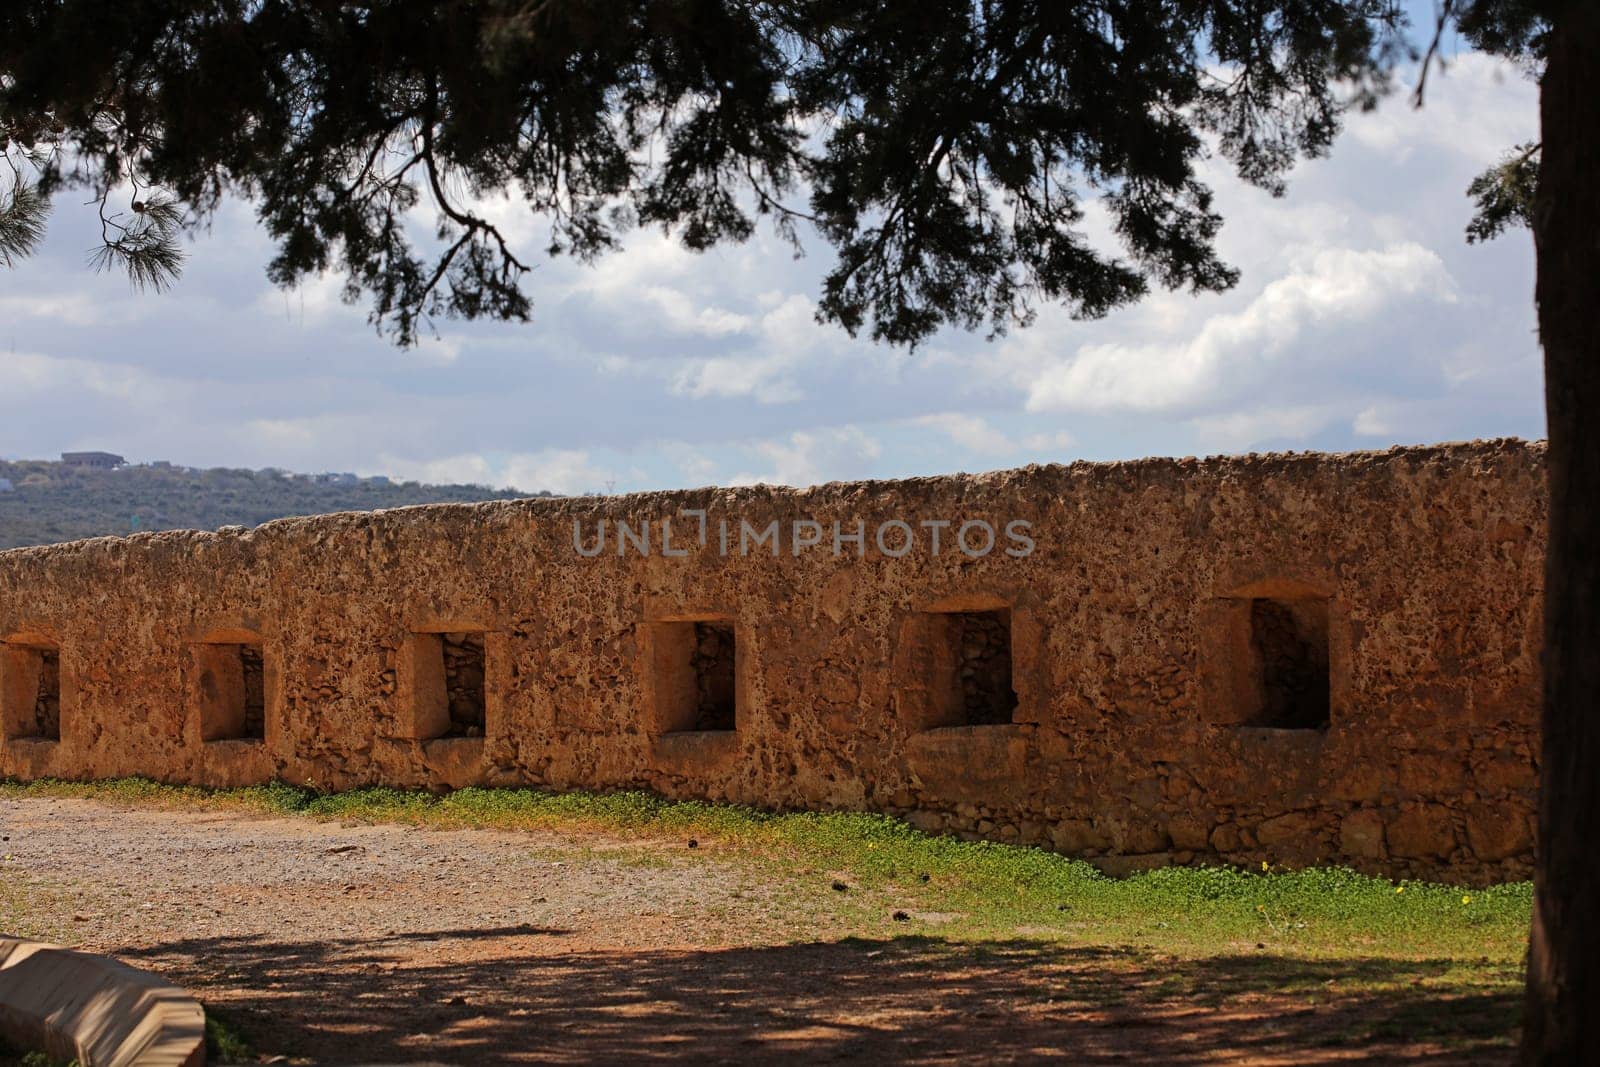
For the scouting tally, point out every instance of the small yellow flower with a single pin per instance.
(1263, 865)
(1400, 889)
(1261, 907)
(1466, 900)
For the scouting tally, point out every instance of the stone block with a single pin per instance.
(1361, 835)
(1422, 831)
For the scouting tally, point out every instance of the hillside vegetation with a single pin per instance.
(53, 502)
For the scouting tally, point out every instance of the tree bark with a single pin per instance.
(1562, 1023)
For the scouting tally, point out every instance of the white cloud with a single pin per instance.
(1332, 287)
(1050, 442)
(280, 434)
(1240, 430)
(467, 469)
(312, 304)
(561, 470)
(683, 313)
(695, 466)
(810, 458)
(767, 379)
(441, 351)
(657, 282)
(1475, 107)
(68, 309)
(971, 432)
(788, 339)
(1371, 421)
(33, 376)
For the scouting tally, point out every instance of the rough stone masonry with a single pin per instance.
(1295, 658)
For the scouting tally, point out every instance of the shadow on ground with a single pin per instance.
(517, 994)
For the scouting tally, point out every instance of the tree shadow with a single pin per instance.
(518, 994)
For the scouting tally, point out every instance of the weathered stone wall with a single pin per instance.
(1167, 609)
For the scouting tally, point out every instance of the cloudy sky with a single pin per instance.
(1363, 320)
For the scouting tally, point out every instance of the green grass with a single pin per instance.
(225, 1043)
(1391, 961)
(30, 1058)
(986, 889)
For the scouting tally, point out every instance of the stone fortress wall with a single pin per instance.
(1292, 658)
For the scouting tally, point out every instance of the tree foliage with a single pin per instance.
(23, 211)
(1519, 30)
(1503, 194)
(965, 159)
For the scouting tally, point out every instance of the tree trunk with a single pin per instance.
(1562, 1024)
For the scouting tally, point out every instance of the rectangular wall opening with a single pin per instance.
(696, 676)
(1289, 664)
(232, 691)
(715, 706)
(47, 698)
(447, 672)
(983, 693)
(30, 691)
(463, 680)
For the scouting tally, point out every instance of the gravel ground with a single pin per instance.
(358, 944)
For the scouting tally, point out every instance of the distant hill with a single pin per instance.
(51, 501)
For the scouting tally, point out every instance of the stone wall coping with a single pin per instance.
(655, 503)
(95, 1009)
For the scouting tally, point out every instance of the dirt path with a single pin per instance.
(343, 944)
